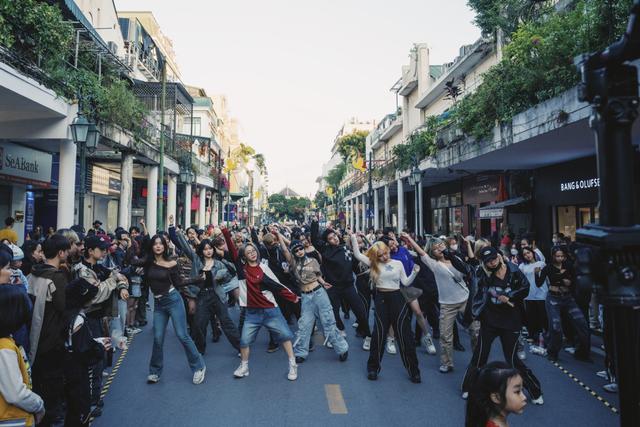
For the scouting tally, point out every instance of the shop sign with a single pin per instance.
(491, 213)
(581, 184)
(137, 212)
(25, 165)
(480, 189)
(104, 181)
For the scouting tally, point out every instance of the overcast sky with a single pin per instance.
(295, 70)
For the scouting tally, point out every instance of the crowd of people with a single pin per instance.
(70, 298)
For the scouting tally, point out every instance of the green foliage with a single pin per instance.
(35, 29)
(507, 14)
(260, 162)
(422, 143)
(334, 176)
(538, 63)
(321, 199)
(291, 208)
(353, 144)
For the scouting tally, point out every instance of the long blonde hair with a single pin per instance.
(372, 254)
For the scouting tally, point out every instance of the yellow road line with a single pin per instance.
(335, 399)
(587, 388)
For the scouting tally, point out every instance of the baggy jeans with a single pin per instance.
(317, 304)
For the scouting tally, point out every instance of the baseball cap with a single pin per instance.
(489, 253)
(97, 221)
(17, 252)
(92, 242)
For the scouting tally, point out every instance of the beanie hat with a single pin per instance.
(17, 252)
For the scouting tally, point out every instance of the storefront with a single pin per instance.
(103, 202)
(480, 191)
(24, 171)
(566, 198)
(446, 214)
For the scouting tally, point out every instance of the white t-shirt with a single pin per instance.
(451, 286)
(535, 293)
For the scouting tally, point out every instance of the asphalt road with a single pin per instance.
(328, 392)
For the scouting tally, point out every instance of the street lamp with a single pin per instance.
(85, 135)
(415, 179)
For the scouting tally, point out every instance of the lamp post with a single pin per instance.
(415, 179)
(85, 135)
(370, 194)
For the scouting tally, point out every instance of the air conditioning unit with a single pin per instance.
(113, 47)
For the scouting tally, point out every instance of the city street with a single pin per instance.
(328, 392)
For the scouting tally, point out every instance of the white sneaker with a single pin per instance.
(293, 372)
(465, 395)
(427, 342)
(153, 378)
(198, 376)
(611, 388)
(570, 350)
(522, 355)
(343, 333)
(603, 374)
(366, 344)
(354, 324)
(538, 401)
(391, 346)
(242, 371)
(327, 343)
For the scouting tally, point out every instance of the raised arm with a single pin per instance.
(416, 247)
(181, 242)
(356, 251)
(315, 234)
(406, 281)
(285, 249)
(230, 245)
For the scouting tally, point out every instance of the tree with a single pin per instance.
(353, 144)
(260, 163)
(321, 199)
(291, 208)
(335, 175)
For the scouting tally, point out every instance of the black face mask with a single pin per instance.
(494, 269)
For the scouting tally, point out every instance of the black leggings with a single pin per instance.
(336, 294)
(509, 341)
(536, 318)
(392, 311)
(208, 304)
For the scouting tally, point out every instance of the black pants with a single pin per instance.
(47, 376)
(209, 303)
(77, 392)
(348, 292)
(392, 311)
(366, 294)
(97, 330)
(430, 308)
(536, 318)
(558, 305)
(509, 341)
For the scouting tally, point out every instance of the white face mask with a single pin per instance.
(453, 247)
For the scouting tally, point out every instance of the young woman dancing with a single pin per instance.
(391, 308)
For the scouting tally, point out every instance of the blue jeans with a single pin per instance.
(171, 306)
(317, 304)
(271, 318)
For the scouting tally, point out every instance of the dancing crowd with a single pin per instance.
(69, 299)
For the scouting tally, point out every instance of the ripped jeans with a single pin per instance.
(555, 305)
(317, 304)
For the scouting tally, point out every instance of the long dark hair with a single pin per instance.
(529, 249)
(150, 256)
(493, 378)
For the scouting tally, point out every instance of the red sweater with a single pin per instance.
(254, 277)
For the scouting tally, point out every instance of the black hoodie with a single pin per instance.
(337, 261)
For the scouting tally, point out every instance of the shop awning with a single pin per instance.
(497, 209)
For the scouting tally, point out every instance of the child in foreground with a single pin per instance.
(496, 393)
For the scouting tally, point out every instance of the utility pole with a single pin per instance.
(163, 105)
(370, 193)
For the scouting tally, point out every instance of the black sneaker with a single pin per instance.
(372, 375)
(273, 347)
(343, 356)
(415, 379)
(458, 347)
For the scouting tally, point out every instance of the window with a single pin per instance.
(197, 127)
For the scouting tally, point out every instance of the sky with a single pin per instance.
(294, 71)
